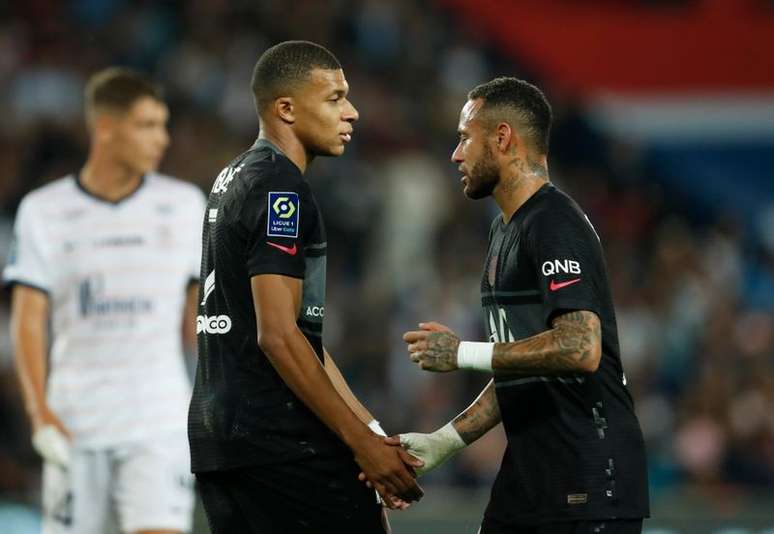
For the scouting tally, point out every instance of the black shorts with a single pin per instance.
(311, 497)
(603, 526)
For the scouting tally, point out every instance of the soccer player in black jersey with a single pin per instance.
(277, 438)
(575, 458)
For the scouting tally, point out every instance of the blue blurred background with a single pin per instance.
(664, 133)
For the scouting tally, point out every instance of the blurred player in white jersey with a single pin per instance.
(104, 269)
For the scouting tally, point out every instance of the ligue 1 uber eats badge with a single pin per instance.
(284, 211)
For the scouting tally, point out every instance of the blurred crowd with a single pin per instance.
(694, 296)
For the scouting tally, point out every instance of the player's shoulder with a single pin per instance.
(54, 193)
(552, 206)
(264, 167)
(51, 198)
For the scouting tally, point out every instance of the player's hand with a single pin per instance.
(434, 347)
(433, 449)
(393, 502)
(50, 438)
(389, 469)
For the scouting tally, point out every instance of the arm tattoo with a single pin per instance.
(480, 417)
(573, 345)
(441, 351)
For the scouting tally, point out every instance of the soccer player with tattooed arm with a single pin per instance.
(575, 459)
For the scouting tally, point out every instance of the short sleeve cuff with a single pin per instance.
(10, 282)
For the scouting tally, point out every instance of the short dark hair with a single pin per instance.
(117, 89)
(284, 65)
(526, 103)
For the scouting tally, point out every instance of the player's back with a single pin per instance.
(261, 219)
(115, 274)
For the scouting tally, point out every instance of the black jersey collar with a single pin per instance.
(130, 194)
(542, 190)
(265, 143)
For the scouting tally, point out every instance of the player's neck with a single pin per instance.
(288, 145)
(108, 179)
(522, 173)
(510, 194)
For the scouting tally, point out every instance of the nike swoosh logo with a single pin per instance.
(559, 285)
(287, 250)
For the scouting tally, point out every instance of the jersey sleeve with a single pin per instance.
(27, 259)
(279, 219)
(567, 258)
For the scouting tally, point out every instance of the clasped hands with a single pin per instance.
(433, 348)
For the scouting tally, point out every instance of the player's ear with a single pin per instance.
(504, 135)
(284, 109)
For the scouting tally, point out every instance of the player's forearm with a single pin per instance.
(340, 383)
(437, 447)
(190, 309)
(573, 345)
(480, 417)
(30, 342)
(294, 359)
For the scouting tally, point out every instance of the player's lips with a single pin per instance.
(346, 137)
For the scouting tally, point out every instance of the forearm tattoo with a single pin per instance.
(480, 417)
(573, 345)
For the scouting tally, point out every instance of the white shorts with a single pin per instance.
(124, 489)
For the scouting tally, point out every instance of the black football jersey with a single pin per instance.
(261, 218)
(575, 450)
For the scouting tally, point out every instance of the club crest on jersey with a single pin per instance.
(284, 211)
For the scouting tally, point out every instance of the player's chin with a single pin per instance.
(149, 165)
(474, 193)
(334, 150)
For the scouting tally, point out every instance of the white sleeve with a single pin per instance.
(27, 260)
(198, 207)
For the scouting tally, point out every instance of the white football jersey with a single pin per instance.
(116, 276)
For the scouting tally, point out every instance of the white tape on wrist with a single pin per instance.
(451, 439)
(376, 428)
(475, 355)
(434, 448)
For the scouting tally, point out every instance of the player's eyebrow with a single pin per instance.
(339, 92)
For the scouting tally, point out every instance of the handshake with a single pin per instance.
(425, 453)
(420, 453)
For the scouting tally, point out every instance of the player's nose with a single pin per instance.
(350, 113)
(456, 156)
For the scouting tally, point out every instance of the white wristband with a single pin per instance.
(376, 428)
(475, 355)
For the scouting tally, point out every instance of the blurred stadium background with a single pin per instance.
(664, 133)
